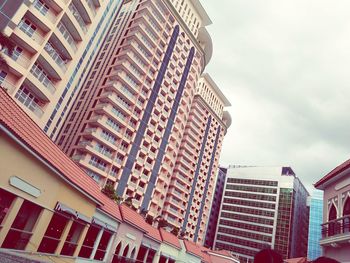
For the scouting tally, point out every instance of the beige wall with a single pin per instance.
(18, 162)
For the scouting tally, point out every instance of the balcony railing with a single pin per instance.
(7, 85)
(38, 72)
(29, 31)
(91, 6)
(44, 10)
(65, 33)
(55, 56)
(78, 17)
(336, 227)
(24, 96)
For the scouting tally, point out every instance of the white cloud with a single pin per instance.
(284, 66)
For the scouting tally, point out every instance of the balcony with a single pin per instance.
(44, 10)
(336, 231)
(25, 97)
(73, 9)
(55, 56)
(67, 36)
(29, 30)
(41, 77)
(8, 86)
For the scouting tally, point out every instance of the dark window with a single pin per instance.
(6, 199)
(53, 234)
(22, 227)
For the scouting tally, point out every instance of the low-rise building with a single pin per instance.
(336, 213)
(51, 210)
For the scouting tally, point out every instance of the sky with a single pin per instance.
(285, 68)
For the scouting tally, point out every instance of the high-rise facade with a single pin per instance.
(263, 207)
(146, 120)
(56, 42)
(215, 207)
(314, 249)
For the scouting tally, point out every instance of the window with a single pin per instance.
(89, 241)
(22, 227)
(53, 234)
(102, 246)
(72, 240)
(6, 199)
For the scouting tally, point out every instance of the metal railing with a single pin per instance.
(336, 227)
(67, 36)
(38, 73)
(55, 56)
(29, 31)
(44, 10)
(78, 17)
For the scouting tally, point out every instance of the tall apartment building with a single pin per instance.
(56, 42)
(215, 207)
(145, 120)
(314, 249)
(263, 207)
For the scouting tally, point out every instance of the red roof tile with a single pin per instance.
(222, 252)
(132, 217)
(170, 238)
(153, 232)
(24, 128)
(333, 173)
(193, 248)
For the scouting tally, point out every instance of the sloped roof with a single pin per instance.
(170, 238)
(21, 126)
(339, 169)
(193, 248)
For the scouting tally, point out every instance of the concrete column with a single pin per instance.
(110, 247)
(10, 217)
(64, 237)
(146, 255)
(39, 230)
(97, 242)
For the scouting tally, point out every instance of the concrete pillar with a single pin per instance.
(110, 247)
(39, 230)
(81, 240)
(10, 217)
(64, 237)
(97, 242)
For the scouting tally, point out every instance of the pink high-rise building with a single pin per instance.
(145, 120)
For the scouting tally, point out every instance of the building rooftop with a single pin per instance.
(333, 174)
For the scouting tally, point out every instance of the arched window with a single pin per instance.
(346, 216)
(132, 255)
(117, 250)
(332, 225)
(332, 213)
(126, 250)
(116, 257)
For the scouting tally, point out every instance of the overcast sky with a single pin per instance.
(285, 67)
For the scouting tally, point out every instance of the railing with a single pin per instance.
(7, 85)
(55, 56)
(18, 57)
(336, 227)
(28, 100)
(44, 10)
(91, 6)
(43, 78)
(78, 17)
(29, 31)
(67, 36)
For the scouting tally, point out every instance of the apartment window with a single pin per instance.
(53, 234)
(6, 199)
(3, 75)
(22, 227)
(72, 240)
(89, 241)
